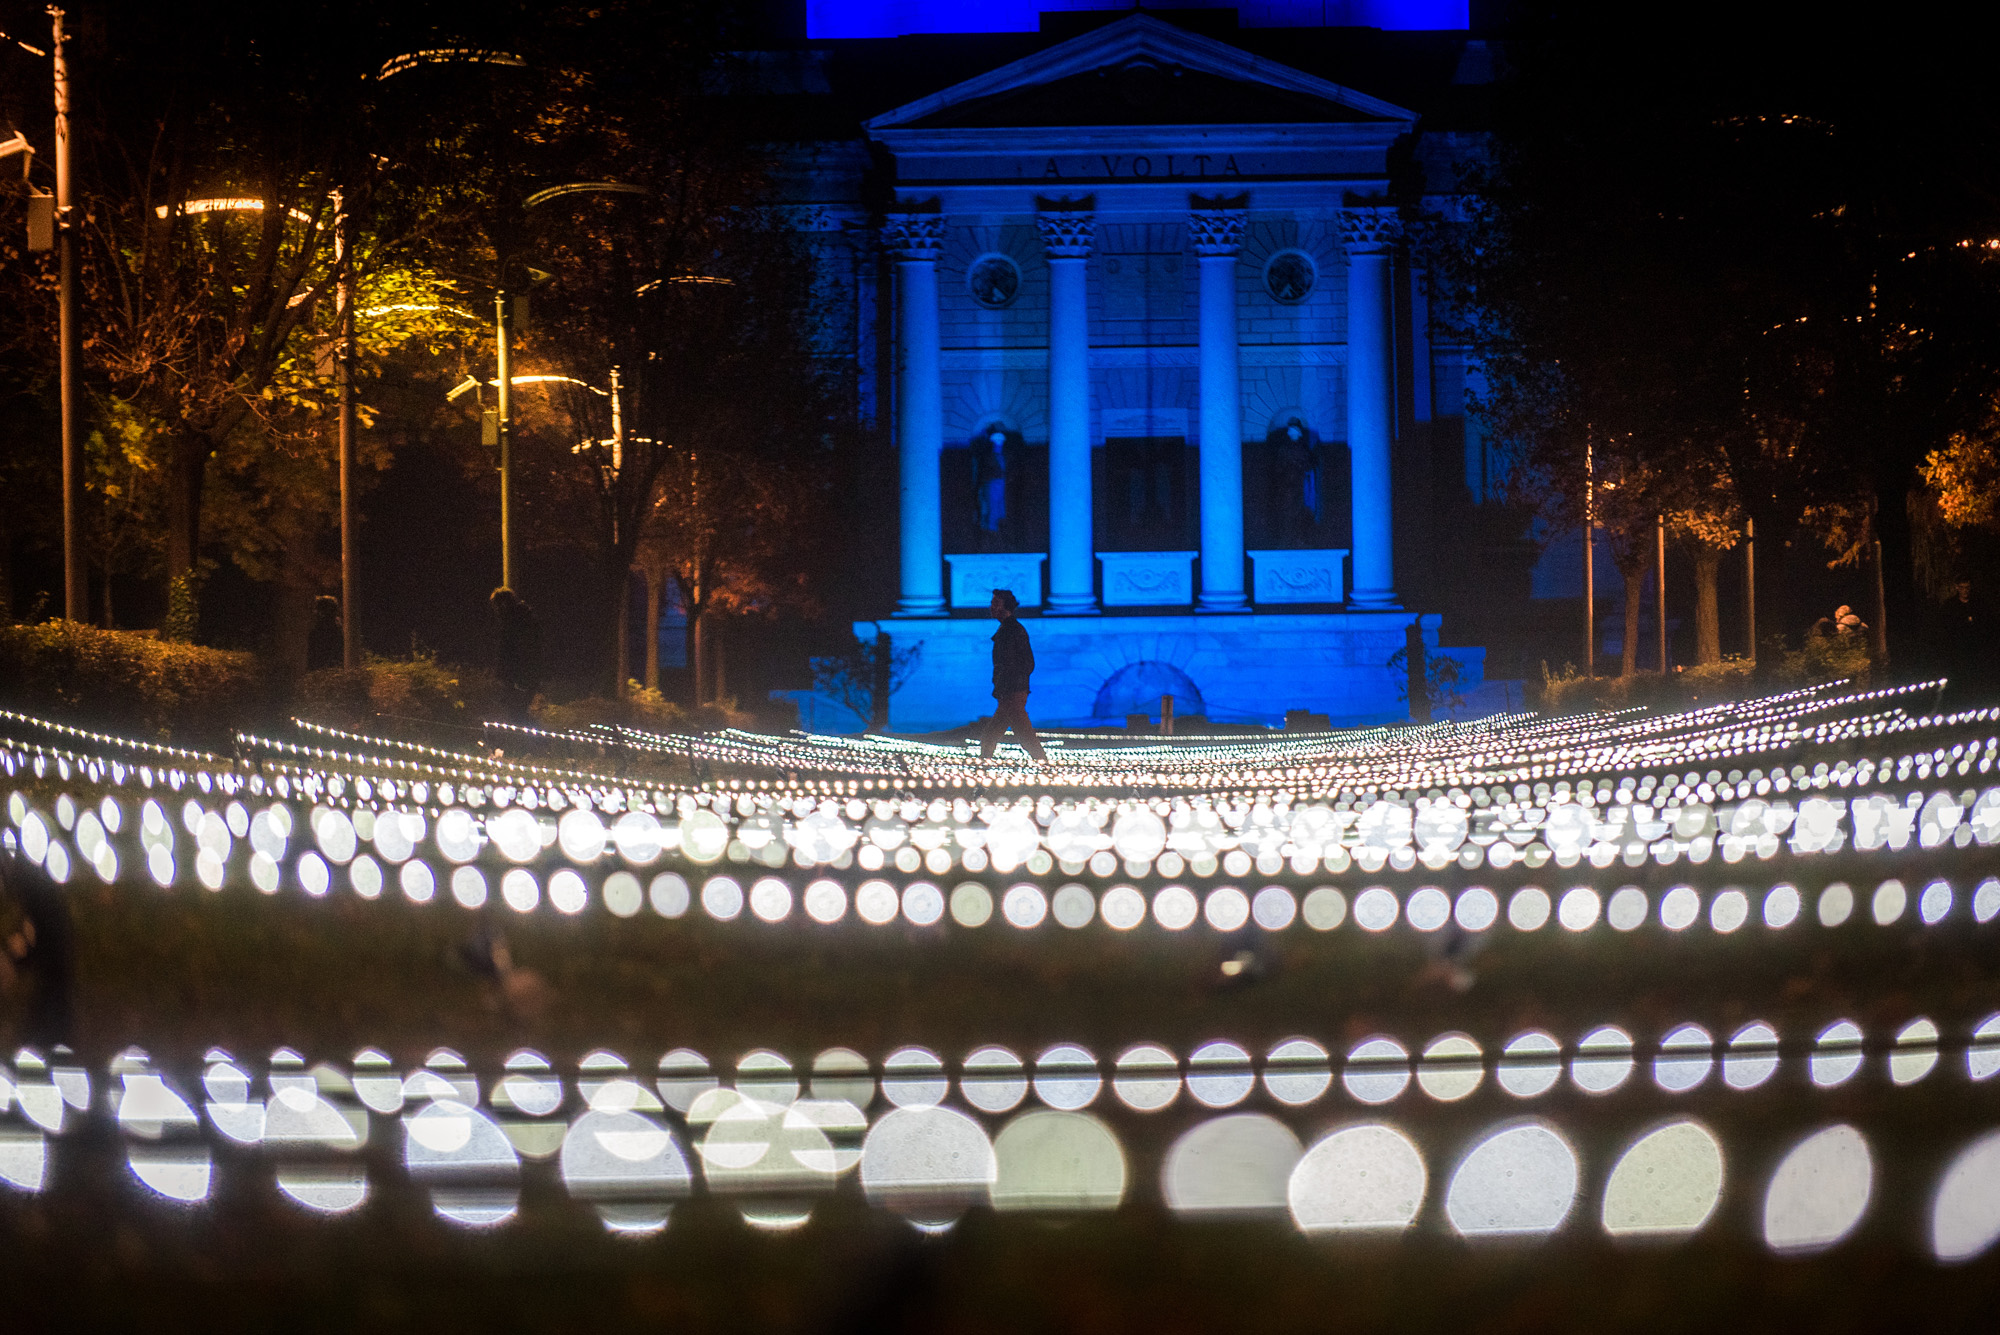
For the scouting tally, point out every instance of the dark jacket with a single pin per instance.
(1013, 658)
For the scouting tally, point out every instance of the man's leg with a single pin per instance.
(1024, 731)
(989, 737)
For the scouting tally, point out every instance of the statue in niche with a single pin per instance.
(990, 477)
(1149, 494)
(1301, 467)
(1143, 507)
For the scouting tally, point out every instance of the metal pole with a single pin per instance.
(1881, 644)
(505, 360)
(1750, 589)
(76, 579)
(617, 431)
(625, 578)
(1589, 566)
(350, 582)
(1660, 589)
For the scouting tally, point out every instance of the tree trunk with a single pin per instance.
(187, 465)
(721, 661)
(697, 633)
(1635, 589)
(653, 583)
(1878, 644)
(299, 572)
(1707, 619)
(6, 574)
(622, 656)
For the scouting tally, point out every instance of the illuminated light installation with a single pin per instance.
(1058, 1161)
(1521, 1180)
(1367, 1177)
(1668, 1183)
(1820, 1191)
(1293, 834)
(1965, 1214)
(773, 1145)
(395, 815)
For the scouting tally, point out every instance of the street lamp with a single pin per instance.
(76, 581)
(614, 443)
(503, 319)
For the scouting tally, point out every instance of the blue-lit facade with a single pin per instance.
(1139, 317)
(901, 18)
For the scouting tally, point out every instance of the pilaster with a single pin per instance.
(1216, 234)
(1067, 235)
(1371, 235)
(915, 241)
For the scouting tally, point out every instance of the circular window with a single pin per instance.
(993, 280)
(1289, 276)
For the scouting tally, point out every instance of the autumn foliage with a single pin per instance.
(127, 680)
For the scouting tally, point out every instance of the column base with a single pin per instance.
(1223, 602)
(1071, 605)
(1375, 600)
(920, 607)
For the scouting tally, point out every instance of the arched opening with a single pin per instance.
(1136, 688)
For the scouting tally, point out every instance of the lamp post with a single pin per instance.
(76, 583)
(1589, 564)
(616, 444)
(1660, 587)
(350, 580)
(1750, 589)
(76, 580)
(505, 380)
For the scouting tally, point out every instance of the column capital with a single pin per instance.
(1067, 234)
(1370, 230)
(1216, 231)
(914, 236)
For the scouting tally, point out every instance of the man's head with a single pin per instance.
(1005, 604)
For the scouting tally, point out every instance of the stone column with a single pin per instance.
(1371, 235)
(1072, 564)
(1216, 234)
(916, 240)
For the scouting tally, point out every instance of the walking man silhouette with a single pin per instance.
(1013, 664)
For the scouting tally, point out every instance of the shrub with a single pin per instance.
(1734, 678)
(1821, 658)
(641, 708)
(1569, 691)
(417, 687)
(125, 680)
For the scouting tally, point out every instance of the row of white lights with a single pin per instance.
(582, 837)
(309, 766)
(1145, 1077)
(1519, 1178)
(1381, 758)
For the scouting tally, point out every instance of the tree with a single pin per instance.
(209, 143)
(697, 291)
(865, 674)
(1759, 260)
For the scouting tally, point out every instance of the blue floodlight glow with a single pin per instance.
(900, 18)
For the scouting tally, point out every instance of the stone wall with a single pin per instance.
(1249, 668)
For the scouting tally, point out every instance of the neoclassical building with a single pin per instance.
(1138, 315)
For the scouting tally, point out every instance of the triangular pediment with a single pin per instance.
(1140, 71)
